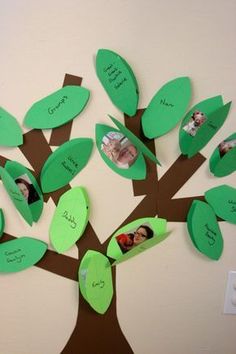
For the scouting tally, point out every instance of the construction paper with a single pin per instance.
(95, 281)
(204, 230)
(135, 140)
(223, 201)
(70, 219)
(122, 245)
(20, 254)
(10, 131)
(16, 196)
(2, 222)
(167, 107)
(136, 169)
(118, 80)
(188, 129)
(65, 163)
(223, 160)
(58, 108)
(35, 198)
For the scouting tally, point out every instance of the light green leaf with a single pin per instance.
(10, 131)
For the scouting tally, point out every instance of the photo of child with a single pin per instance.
(225, 146)
(119, 149)
(27, 189)
(195, 122)
(128, 241)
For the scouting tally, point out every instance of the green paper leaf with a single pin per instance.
(223, 201)
(10, 131)
(137, 170)
(70, 219)
(136, 141)
(121, 249)
(58, 108)
(208, 129)
(166, 108)
(2, 222)
(118, 80)
(223, 160)
(95, 281)
(187, 132)
(24, 177)
(204, 230)
(65, 163)
(16, 196)
(20, 254)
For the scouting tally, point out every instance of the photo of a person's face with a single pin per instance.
(195, 122)
(24, 189)
(119, 149)
(133, 238)
(27, 189)
(226, 146)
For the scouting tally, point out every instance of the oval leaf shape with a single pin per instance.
(129, 240)
(65, 163)
(208, 129)
(118, 81)
(95, 281)
(204, 230)
(2, 222)
(20, 254)
(223, 201)
(189, 128)
(58, 108)
(111, 142)
(166, 108)
(29, 186)
(16, 196)
(70, 219)
(223, 160)
(10, 131)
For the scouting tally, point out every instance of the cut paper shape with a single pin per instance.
(136, 170)
(223, 160)
(95, 281)
(136, 141)
(2, 222)
(65, 163)
(70, 219)
(58, 108)
(23, 190)
(204, 230)
(166, 108)
(117, 252)
(10, 131)
(20, 254)
(118, 80)
(191, 143)
(223, 201)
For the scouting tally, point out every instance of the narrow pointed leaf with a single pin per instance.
(2, 222)
(10, 131)
(95, 281)
(58, 108)
(223, 201)
(118, 80)
(70, 219)
(136, 171)
(204, 230)
(65, 163)
(20, 254)
(166, 108)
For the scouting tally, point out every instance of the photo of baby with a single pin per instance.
(195, 122)
(119, 149)
(129, 240)
(27, 189)
(225, 146)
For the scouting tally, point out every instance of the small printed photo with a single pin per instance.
(27, 189)
(225, 146)
(133, 238)
(119, 149)
(195, 122)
